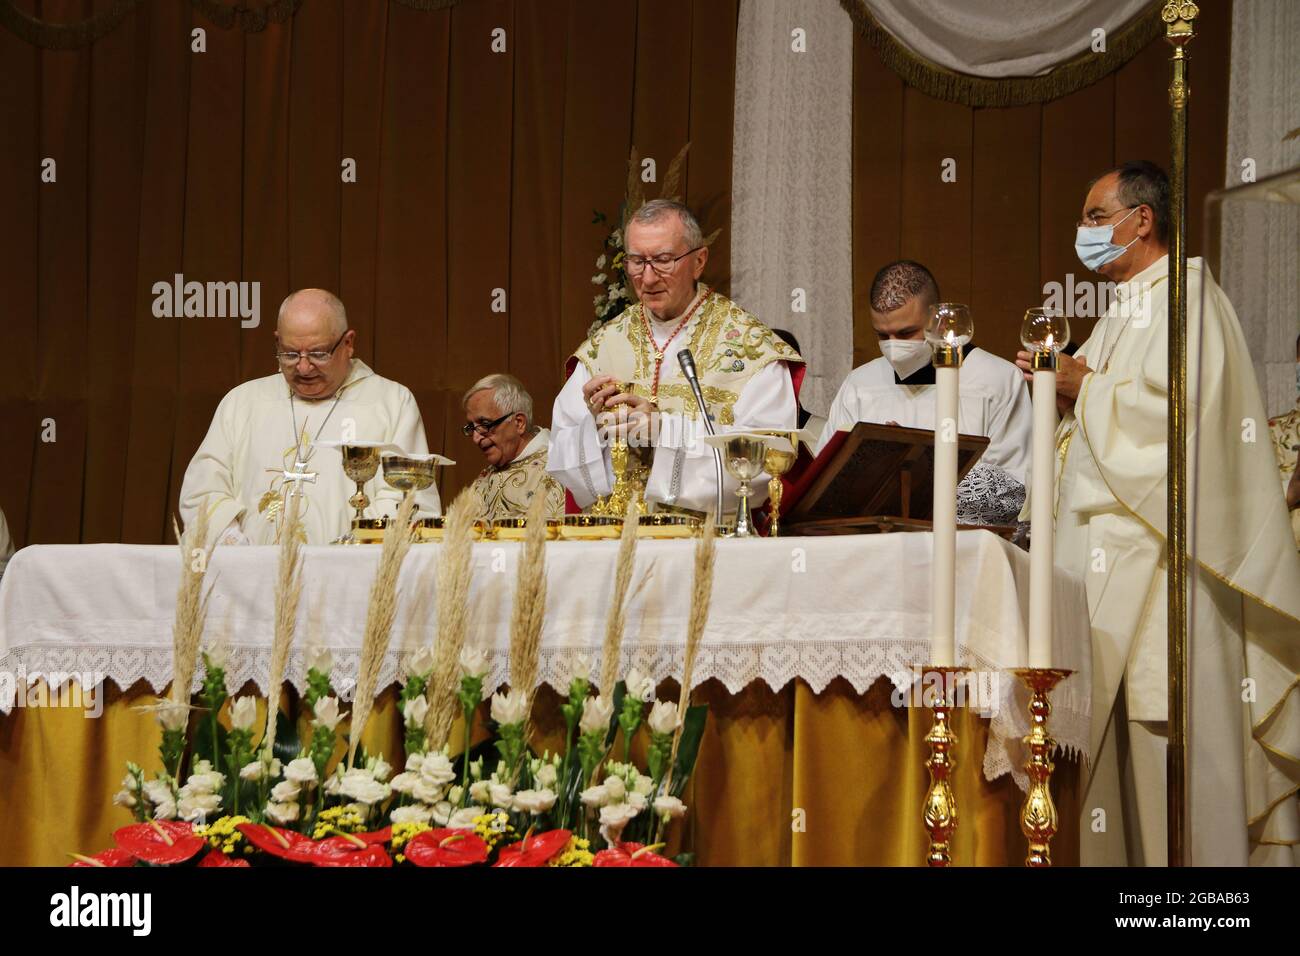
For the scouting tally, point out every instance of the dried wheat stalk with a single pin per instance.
(614, 623)
(379, 618)
(191, 603)
(701, 596)
(530, 604)
(455, 568)
(288, 592)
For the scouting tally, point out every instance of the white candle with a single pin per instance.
(943, 639)
(1040, 517)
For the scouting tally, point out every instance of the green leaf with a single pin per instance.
(689, 747)
(286, 745)
(203, 749)
(684, 859)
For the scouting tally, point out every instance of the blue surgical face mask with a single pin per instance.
(1093, 245)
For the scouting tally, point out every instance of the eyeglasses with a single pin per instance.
(664, 264)
(1094, 220)
(481, 427)
(290, 359)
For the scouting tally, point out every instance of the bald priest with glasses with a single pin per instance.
(265, 441)
(626, 379)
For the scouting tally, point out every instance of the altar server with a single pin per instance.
(899, 389)
(265, 432)
(749, 376)
(1244, 614)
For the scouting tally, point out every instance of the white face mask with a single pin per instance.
(908, 356)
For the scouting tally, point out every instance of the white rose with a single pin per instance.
(500, 795)
(581, 669)
(243, 713)
(415, 711)
(203, 783)
(363, 788)
(596, 714)
(643, 784)
(614, 818)
(124, 798)
(405, 782)
(320, 659)
(596, 796)
(198, 806)
(157, 791)
(463, 819)
(480, 791)
(510, 707)
(414, 762)
(285, 792)
(436, 769)
(427, 792)
(474, 661)
(616, 788)
(327, 712)
(663, 717)
(282, 813)
(546, 776)
(669, 808)
(421, 662)
(442, 811)
(165, 809)
(534, 801)
(640, 686)
(379, 768)
(415, 813)
(172, 716)
(301, 772)
(252, 771)
(218, 654)
(637, 800)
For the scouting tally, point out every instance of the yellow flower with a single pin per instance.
(575, 853)
(402, 833)
(494, 828)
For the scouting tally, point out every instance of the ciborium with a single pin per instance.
(410, 473)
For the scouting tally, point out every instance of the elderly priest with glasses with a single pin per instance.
(626, 378)
(271, 437)
(499, 420)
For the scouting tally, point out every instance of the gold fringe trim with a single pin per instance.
(945, 84)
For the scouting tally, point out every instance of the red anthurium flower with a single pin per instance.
(161, 842)
(286, 844)
(217, 858)
(114, 857)
(534, 849)
(376, 836)
(631, 854)
(446, 848)
(370, 856)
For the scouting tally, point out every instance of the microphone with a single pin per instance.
(687, 362)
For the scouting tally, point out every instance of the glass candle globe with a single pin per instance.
(948, 328)
(1044, 330)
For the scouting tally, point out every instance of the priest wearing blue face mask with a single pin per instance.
(898, 389)
(1110, 505)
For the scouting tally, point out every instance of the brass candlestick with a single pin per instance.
(1038, 820)
(940, 812)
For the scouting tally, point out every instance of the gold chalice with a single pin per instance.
(409, 473)
(629, 473)
(360, 462)
(743, 458)
(777, 460)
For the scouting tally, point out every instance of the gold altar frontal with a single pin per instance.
(784, 777)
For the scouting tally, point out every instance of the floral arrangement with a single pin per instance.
(224, 799)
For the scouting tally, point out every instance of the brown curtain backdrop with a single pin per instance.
(476, 171)
(1005, 228)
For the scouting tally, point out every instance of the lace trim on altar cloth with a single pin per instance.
(995, 694)
(989, 496)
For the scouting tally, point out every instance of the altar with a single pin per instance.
(813, 754)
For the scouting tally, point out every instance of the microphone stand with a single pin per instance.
(687, 361)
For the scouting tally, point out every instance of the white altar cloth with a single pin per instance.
(816, 608)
